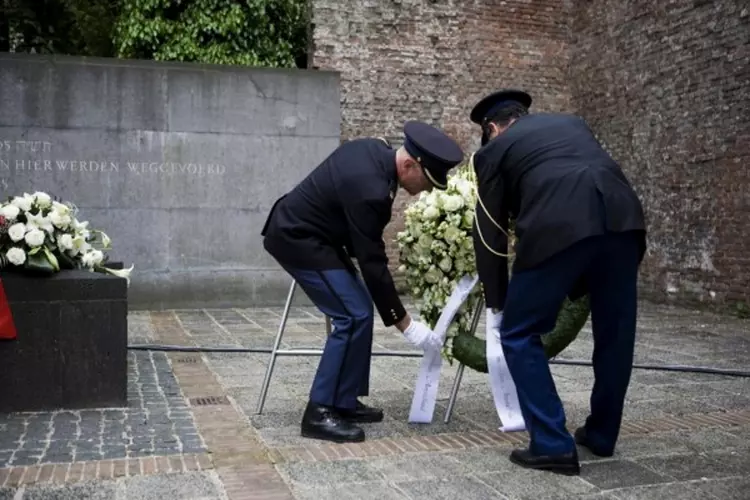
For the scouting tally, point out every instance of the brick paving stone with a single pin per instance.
(103, 469)
(676, 490)
(241, 459)
(734, 488)
(254, 482)
(157, 421)
(206, 403)
(610, 474)
(447, 488)
(660, 403)
(466, 441)
(370, 490)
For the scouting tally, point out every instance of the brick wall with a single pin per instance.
(666, 85)
(422, 59)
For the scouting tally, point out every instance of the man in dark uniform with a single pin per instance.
(340, 209)
(580, 228)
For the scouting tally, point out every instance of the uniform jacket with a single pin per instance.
(550, 174)
(341, 208)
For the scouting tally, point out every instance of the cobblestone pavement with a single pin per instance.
(157, 421)
(685, 435)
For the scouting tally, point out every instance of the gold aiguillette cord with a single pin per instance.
(487, 213)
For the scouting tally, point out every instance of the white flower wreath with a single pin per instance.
(436, 250)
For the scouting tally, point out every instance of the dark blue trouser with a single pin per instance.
(344, 370)
(609, 265)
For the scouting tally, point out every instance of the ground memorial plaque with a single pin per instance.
(178, 163)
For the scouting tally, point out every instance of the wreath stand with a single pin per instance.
(460, 371)
(276, 352)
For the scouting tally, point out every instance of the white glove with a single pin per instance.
(421, 336)
(494, 319)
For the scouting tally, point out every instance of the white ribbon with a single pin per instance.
(501, 383)
(428, 380)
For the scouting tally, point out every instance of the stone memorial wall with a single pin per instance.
(177, 163)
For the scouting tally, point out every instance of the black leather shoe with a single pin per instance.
(323, 422)
(581, 438)
(362, 414)
(566, 464)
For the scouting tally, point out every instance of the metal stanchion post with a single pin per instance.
(460, 370)
(274, 352)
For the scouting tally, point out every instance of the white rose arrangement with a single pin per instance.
(436, 250)
(43, 235)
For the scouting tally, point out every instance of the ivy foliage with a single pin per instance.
(81, 27)
(246, 32)
(271, 33)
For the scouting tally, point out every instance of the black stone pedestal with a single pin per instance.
(71, 350)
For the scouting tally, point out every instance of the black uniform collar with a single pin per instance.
(389, 167)
(392, 174)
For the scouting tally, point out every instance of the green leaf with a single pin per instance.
(39, 264)
(259, 32)
(52, 259)
(66, 262)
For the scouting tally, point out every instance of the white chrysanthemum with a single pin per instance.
(17, 231)
(34, 238)
(16, 256)
(452, 234)
(433, 275)
(10, 212)
(43, 200)
(59, 219)
(61, 208)
(465, 188)
(424, 241)
(446, 264)
(453, 203)
(24, 202)
(431, 212)
(66, 242)
(432, 199)
(92, 258)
